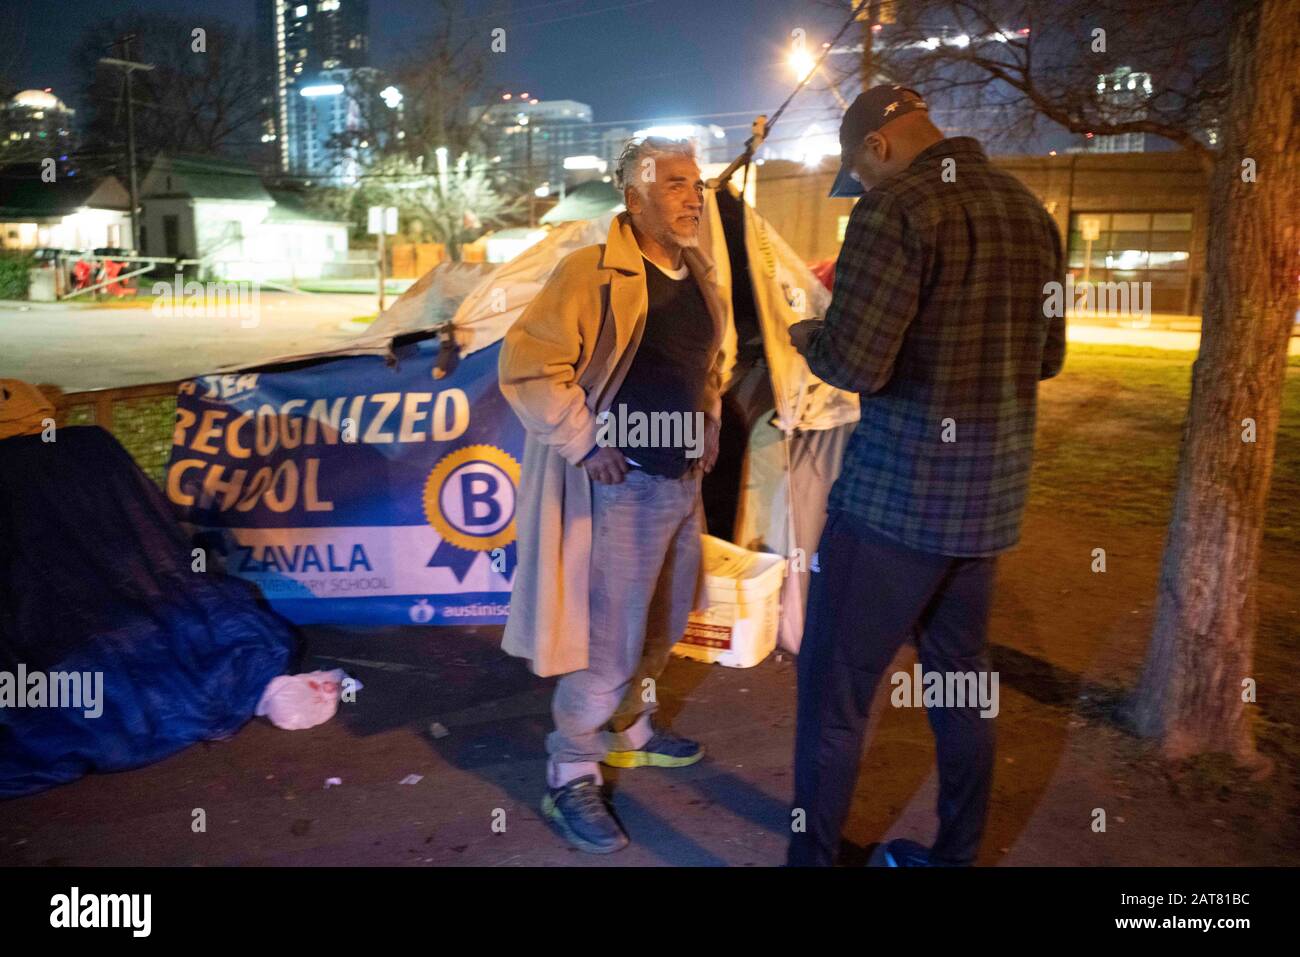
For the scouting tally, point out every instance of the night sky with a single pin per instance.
(631, 60)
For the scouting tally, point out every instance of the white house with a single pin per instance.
(70, 213)
(221, 214)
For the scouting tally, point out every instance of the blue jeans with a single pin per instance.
(645, 556)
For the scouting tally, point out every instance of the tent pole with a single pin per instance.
(791, 582)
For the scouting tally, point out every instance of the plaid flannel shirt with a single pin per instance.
(937, 321)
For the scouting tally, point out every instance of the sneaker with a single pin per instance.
(904, 853)
(663, 750)
(579, 811)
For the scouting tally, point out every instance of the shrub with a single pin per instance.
(14, 277)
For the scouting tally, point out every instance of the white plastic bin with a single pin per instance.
(739, 627)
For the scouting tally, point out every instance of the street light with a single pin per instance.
(804, 64)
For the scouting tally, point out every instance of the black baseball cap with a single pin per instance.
(868, 113)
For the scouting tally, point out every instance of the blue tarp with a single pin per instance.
(98, 578)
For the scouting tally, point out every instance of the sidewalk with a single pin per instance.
(1165, 331)
(96, 345)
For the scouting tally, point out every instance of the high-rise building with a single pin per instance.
(710, 140)
(318, 52)
(34, 125)
(1125, 93)
(530, 138)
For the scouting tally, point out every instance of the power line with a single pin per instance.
(589, 13)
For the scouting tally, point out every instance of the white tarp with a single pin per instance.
(791, 458)
(785, 291)
(801, 444)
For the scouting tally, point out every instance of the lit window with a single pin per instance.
(300, 11)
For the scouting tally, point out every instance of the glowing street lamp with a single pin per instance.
(802, 62)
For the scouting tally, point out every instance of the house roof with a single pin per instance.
(291, 207)
(25, 196)
(204, 177)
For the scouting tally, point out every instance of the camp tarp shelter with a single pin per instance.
(101, 600)
(784, 429)
(792, 455)
(429, 303)
(585, 201)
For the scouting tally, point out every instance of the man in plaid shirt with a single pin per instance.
(938, 322)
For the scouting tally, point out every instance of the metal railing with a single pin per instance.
(289, 274)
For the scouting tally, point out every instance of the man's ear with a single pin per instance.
(878, 145)
(632, 199)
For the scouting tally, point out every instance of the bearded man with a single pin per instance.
(608, 530)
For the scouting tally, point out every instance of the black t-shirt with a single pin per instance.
(667, 375)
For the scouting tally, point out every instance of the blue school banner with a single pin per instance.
(356, 492)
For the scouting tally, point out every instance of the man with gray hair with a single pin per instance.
(609, 523)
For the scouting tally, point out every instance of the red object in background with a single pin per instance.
(825, 272)
(111, 272)
(81, 274)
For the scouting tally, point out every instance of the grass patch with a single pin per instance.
(360, 287)
(1110, 428)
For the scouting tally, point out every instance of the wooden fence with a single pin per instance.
(141, 417)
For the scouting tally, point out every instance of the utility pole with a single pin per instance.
(128, 66)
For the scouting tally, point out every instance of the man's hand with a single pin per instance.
(801, 332)
(606, 465)
(709, 454)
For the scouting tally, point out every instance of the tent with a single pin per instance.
(116, 648)
(784, 429)
(783, 436)
(589, 200)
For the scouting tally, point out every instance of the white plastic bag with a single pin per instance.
(295, 702)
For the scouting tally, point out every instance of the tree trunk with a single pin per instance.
(1192, 687)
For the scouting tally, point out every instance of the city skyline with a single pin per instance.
(602, 54)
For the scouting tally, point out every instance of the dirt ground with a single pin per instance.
(1067, 642)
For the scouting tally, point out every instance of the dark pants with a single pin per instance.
(869, 595)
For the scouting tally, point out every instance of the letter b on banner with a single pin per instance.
(480, 499)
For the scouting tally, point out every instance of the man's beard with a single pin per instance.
(665, 236)
(670, 238)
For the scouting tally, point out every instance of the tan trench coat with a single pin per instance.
(561, 364)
